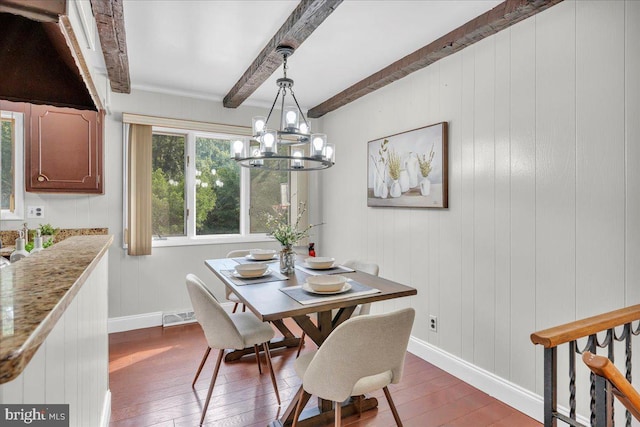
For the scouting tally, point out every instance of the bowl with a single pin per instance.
(326, 283)
(320, 262)
(262, 254)
(251, 270)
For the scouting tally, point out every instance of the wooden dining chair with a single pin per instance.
(227, 331)
(620, 387)
(366, 267)
(363, 354)
(230, 296)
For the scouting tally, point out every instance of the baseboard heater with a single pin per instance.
(180, 318)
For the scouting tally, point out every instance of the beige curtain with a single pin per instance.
(139, 231)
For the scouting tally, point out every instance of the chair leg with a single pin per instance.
(244, 308)
(213, 382)
(394, 411)
(298, 410)
(301, 343)
(267, 354)
(338, 408)
(257, 350)
(235, 307)
(204, 359)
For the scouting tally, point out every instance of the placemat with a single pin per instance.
(304, 297)
(273, 277)
(333, 270)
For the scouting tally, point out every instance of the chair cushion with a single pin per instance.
(362, 386)
(372, 383)
(253, 330)
(233, 298)
(302, 363)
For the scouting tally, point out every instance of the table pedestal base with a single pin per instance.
(313, 416)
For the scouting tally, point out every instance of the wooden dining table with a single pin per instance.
(270, 304)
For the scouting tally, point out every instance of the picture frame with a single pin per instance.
(409, 169)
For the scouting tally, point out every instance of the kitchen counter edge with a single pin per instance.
(35, 292)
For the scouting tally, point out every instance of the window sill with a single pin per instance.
(208, 240)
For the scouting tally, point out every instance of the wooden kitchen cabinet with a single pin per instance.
(64, 151)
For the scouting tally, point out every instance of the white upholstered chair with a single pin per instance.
(363, 354)
(227, 331)
(230, 296)
(366, 267)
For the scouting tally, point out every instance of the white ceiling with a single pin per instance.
(201, 48)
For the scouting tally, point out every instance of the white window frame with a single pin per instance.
(18, 168)
(193, 129)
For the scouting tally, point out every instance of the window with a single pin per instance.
(167, 184)
(11, 165)
(200, 192)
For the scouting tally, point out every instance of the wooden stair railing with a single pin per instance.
(569, 333)
(618, 384)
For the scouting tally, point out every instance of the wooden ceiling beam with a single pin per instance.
(38, 10)
(306, 17)
(109, 15)
(500, 17)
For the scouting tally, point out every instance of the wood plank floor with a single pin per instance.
(151, 372)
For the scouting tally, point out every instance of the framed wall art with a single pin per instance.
(409, 169)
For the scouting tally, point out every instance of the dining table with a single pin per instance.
(275, 297)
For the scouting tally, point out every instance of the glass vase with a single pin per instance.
(287, 260)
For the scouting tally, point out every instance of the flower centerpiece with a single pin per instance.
(287, 234)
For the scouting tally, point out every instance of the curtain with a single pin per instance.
(139, 233)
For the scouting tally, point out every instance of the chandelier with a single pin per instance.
(304, 150)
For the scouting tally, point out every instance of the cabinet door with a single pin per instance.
(65, 150)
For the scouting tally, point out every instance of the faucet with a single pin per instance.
(25, 230)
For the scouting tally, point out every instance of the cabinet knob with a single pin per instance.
(41, 178)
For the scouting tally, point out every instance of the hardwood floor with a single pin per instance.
(151, 372)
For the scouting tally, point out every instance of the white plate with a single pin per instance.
(239, 276)
(345, 288)
(305, 265)
(250, 257)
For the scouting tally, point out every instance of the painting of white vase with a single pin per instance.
(404, 180)
(409, 169)
(396, 190)
(425, 186)
(411, 165)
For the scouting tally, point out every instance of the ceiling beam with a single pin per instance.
(109, 16)
(38, 10)
(500, 17)
(301, 23)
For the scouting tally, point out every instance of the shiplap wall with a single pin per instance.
(543, 224)
(72, 364)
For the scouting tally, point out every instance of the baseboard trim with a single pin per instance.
(145, 320)
(106, 410)
(517, 397)
(512, 394)
(137, 321)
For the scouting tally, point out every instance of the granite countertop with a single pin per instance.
(34, 293)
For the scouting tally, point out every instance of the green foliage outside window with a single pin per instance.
(6, 163)
(167, 185)
(217, 188)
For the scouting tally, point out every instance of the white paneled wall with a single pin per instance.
(72, 365)
(543, 224)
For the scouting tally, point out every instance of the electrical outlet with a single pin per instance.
(433, 323)
(35, 211)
